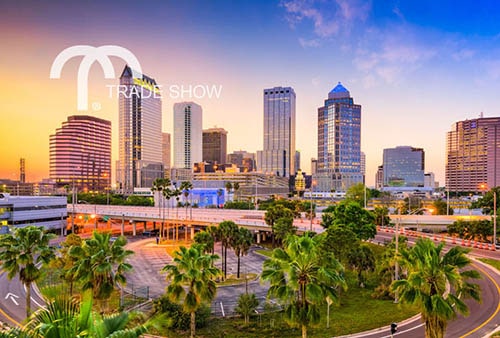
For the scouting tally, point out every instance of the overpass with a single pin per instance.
(197, 218)
(175, 219)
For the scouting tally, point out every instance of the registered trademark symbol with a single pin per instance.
(96, 106)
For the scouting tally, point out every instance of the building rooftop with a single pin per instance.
(339, 91)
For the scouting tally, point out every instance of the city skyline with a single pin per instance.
(416, 68)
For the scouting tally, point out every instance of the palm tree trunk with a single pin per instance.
(28, 299)
(222, 258)
(225, 262)
(304, 331)
(238, 273)
(193, 324)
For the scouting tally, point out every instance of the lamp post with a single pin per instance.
(494, 218)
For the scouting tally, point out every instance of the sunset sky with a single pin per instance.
(416, 67)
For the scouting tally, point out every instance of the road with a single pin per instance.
(150, 258)
(483, 318)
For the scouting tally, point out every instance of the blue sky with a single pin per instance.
(415, 67)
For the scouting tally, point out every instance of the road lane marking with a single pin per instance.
(12, 320)
(12, 297)
(498, 305)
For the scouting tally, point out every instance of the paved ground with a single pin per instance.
(150, 258)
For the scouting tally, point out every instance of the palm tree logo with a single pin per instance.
(90, 55)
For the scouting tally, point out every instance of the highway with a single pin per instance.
(484, 317)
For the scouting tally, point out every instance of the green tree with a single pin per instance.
(274, 213)
(214, 232)
(229, 188)
(437, 283)
(441, 208)
(64, 262)
(191, 280)
(362, 260)
(241, 241)
(356, 193)
(206, 241)
(101, 264)
(247, 303)
(227, 231)
(382, 216)
(186, 188)
(302, 280)
(340, 240)
(486, 202)
(351, 214)
(283, 227)
(236, 187)
(68, 318)
(23, 253)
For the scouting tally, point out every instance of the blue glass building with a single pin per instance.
(403, 168)
(339, 142)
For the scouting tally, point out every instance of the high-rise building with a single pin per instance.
(339, 142)
(140, 137)
(314, 166)
(243, 160)
(278, 156)
(215, 145)
(297, 162)
(403, 168)
(22, 170)
(166, 151)
(188, 148)
(363, 166)
(80, 154)
(473, 155)
(379, 178)
(430, 181)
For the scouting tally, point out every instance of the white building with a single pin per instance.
(188, 135)
(21, 211)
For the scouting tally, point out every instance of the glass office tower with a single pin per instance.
(278, 155)
(339, 142)
(140, 136)
(403, 168)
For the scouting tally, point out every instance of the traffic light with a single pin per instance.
(394, 328)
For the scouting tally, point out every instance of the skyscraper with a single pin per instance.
(140, 137)
(80, 154)
(188, 148)
(166, 152)
(339, 142)
(403, 169)
(473, 155)
(215, 145)
(278, 156)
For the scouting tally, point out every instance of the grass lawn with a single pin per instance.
(355, 314)
(493, 262)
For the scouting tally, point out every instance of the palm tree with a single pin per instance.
(302, 280)
(22, 254)
(214, 231)
(206, 241)
(67, 318)
(247, 303)
(227, 230)
(229, 187)
(437, 283)
(101, 264)
(241, 242)
(219, 194)
(186, 187)
(196, 271)
(236, 187)
(160, 185)
(167, 194)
